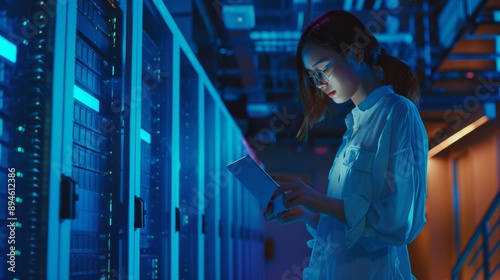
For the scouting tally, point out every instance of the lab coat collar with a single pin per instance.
(367, 103)
(372, 98)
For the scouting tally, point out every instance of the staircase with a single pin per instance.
(480, 255)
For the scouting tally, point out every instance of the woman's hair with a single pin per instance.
(338, 29)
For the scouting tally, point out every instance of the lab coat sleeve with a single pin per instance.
(392, 211)
(312, 231)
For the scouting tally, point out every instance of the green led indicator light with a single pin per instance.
(19, 174)
(18, 199)
(20, 128)
(157, 132)
(25, 23)
(19, 149)
(18, 224)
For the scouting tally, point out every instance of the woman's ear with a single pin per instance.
(356, 53)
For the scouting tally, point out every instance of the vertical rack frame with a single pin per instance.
(134, 88)
(58, 243)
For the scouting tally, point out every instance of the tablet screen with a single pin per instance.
(257, 181)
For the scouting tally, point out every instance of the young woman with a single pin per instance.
(375, 202)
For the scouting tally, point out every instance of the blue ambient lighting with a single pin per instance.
(260, 110)
(496, 16)
(497, 51)
(8, 50)
(490, 110)
(85, 98)
(145, 136)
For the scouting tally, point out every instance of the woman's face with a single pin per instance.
(346, 78)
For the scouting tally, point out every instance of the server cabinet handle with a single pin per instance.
(139, 212)
(68, 197)
(203, 224)
(177, 219)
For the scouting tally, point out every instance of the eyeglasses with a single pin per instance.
(320, 77)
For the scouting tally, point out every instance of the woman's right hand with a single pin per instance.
(294, 214)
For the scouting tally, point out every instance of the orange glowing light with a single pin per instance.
(455, 137)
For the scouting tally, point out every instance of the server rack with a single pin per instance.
(97, 143)
(156, 152)
(238, 218)
(189, 210)
(25, 71)
(122, 124)
(227, 202)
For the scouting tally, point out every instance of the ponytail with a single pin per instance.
(401, 77)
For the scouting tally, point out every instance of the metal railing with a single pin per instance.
(483, 230)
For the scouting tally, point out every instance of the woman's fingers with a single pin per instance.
(282, 189)
(282, 213)
(289, 217)
(283, 178)
(290, 197)
(269, 211)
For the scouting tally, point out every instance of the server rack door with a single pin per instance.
(242, 216)
(212, 191)
(247, 215)
(188, 239)
(254, 244)
(25, 104)
(256, 258)
(252, 261)
(156, 146)
(96, 237)
(238, 215)
(200, 195)
(243, 212)
(227, 200)
(246, 230)
(243, 242)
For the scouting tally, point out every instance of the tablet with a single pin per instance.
(257, 181)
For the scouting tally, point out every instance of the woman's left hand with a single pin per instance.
(299, 193)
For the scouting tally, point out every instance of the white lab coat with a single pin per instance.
(381, 174)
